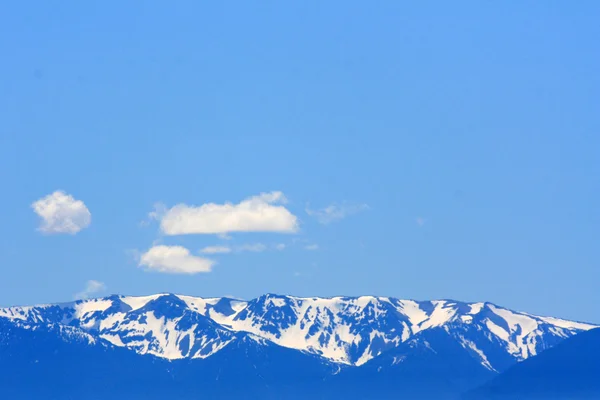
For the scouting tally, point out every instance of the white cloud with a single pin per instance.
(280, 246)
(254, 247)
(61, 213)
(91, 287)
(262, 213)
(336, 212)
(312, 247)
(174, 260)
(216, 250)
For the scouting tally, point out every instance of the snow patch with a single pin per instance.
(137, 302)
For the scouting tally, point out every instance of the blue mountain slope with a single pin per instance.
(250, 369)
(57, 362)
(570, 370)
(430, 366)
(62, 362)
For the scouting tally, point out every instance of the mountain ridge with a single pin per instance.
(274, 346)
(233, 298)
(341, 329)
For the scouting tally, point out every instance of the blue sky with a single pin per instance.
(439, 151)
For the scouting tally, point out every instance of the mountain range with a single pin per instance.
(274, 346)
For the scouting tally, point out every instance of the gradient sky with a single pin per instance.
(457, 145)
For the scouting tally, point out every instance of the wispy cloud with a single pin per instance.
(254, 247)
(420, 221)
(280, 246)
(335, 212)
(216, 250)
(262, 213)
(174, 260)
(250, 247)
(61, 213)
(312, 247)
(159, 210)
(91, 287)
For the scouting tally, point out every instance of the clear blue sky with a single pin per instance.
(465, 136)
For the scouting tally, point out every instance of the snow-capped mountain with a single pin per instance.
(345, 330)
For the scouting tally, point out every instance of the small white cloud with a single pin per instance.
(174, 260)
(216, 250)
(420, 221)
(61, 213)
(91, 287)
(336, 212)
(254, 247)
(262, 213)
(297, 274)
(312, 247)
(280, 246)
